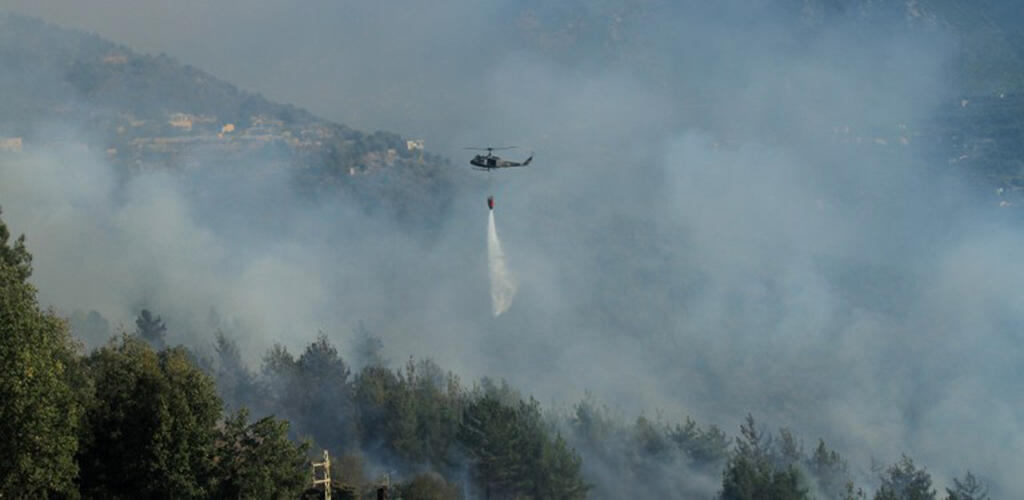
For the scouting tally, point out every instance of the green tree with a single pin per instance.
(500, 445)
(512, 454)
(314, 392)
(753, 443)
(386, 420)
(745, 478)
(151, 428)
(256, 460)
(235, 383)
(706, 448)
(787, 450)
(151, 329)
(755, 471)
(904, 481)
(649, 440)
(830, 472)
(91, 328)
(560, 469)
(16, 256)
(968, 489)
(437, 402)
(591, 424)
(850, 492)
(39, 412)
(414, 416)
(368, 348)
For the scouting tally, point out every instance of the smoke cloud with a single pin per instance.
(733, 208)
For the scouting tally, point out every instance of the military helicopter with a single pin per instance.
(491, 161)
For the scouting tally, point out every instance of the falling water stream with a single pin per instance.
(503, 285)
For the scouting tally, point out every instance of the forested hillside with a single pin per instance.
(139, 418)
(146, 112)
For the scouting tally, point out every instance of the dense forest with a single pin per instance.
(138, 418)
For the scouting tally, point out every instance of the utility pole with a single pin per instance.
(385, 486)
(326, 481)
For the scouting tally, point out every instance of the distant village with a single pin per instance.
(185, 140)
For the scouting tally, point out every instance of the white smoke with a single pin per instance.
(503, 284)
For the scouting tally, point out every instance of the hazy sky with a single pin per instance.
(729, 212)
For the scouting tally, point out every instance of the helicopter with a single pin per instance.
(490, 161)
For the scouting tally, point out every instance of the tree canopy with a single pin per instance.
(39, 412)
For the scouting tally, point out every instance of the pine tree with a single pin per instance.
(235, 383)
(256, 459)
(512, 452)
(151, 329)
(15, 257)
(706, 448)
(968, 489)
(757, 471)
(830, 471)
(368, 348)
(314, 392)
(904, 481)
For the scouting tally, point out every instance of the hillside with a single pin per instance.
(144, 112)
(150, 111)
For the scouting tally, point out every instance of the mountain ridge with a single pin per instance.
(147, 112)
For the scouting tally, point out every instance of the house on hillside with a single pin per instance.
(10, 144)
(185, 121)
(115, 58)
